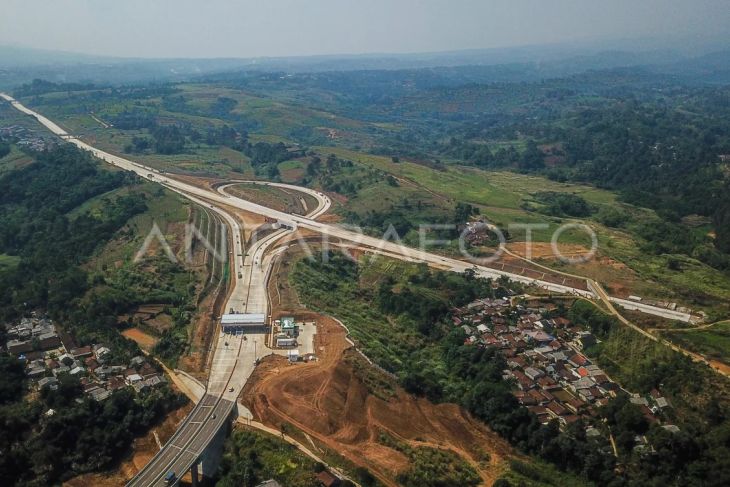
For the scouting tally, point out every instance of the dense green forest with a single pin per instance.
(82, 435)
(4, 149)
(35, 226)
(431, 359)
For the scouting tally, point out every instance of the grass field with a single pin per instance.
(272, 116)
(423, 195)
(713, 342)
(15, 160)
(469, 186)
(274, 197)
(8, 261)
(620, 264)
(498, 195)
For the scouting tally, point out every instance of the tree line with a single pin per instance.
(82, 435)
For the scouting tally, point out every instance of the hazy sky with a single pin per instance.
(247, 28)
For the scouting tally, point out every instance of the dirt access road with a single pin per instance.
(328, 401)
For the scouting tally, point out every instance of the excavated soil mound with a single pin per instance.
(329, 401)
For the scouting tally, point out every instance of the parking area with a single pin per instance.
(307, 331)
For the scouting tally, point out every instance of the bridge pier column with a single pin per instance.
(194, 474)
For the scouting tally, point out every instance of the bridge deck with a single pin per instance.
(187, 445)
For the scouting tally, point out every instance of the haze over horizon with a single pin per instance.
(223, 28)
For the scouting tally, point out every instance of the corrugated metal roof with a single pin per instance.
(243, 319)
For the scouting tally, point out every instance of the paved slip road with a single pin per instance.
(233, 362)
(333, 231)
(234, 357)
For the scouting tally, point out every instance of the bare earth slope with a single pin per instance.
(329, 401)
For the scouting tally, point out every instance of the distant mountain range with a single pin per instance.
(689, 58)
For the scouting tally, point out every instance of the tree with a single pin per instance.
(721, 220)
(12, 379)
(463, 212)
(532, 158)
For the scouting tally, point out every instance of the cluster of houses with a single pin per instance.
(32, 334)
(545, 356)
(48, 354)
(26, 138)
(477, 233)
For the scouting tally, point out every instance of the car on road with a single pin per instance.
(170, 478)
(230, 390)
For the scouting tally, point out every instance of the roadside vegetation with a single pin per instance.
(411, 160)
(50, 241)
(168, 291)
(639, 157)
(712, 342)
(431, 467)
(397, 313)
(251, 457)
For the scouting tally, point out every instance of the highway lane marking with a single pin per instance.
(404, 253)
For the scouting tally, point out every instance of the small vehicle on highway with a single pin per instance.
(230, 390)
(170, 478)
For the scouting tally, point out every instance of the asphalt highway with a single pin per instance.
(389, 247)
(234, 357)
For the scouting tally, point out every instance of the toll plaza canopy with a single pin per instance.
(242, 321)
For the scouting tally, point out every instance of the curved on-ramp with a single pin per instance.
(186, 446)
(389, 247)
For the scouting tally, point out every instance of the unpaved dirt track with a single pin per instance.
(327, 401)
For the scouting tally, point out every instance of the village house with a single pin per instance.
(553, 378)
